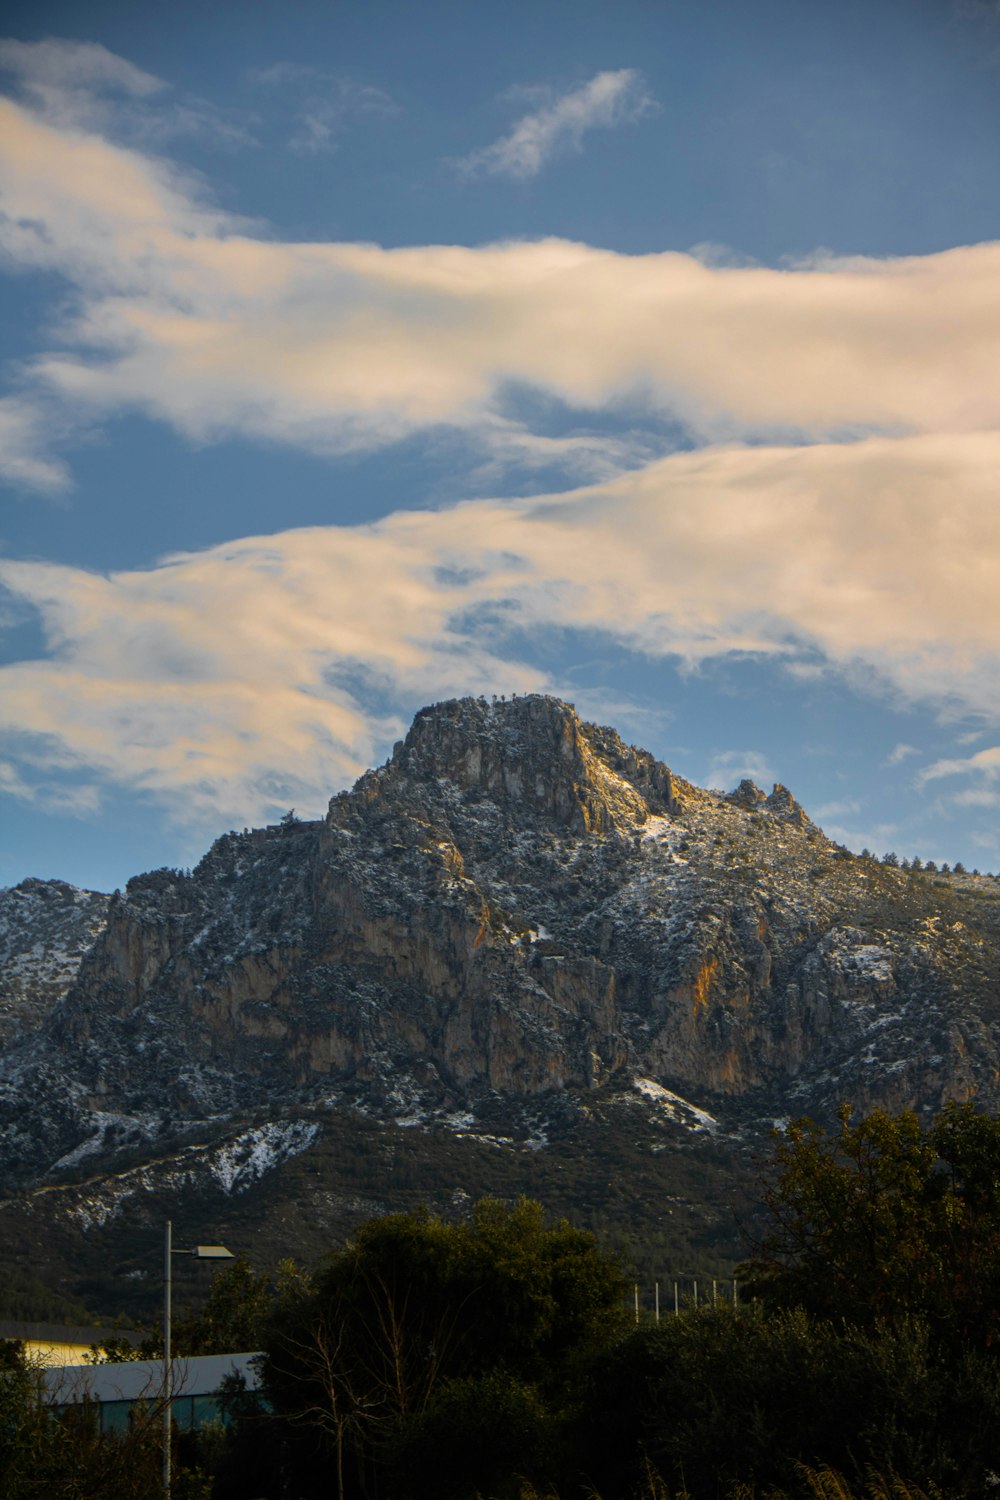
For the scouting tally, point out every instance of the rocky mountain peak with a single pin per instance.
(533, 757)
(783, 805)
(748, 794)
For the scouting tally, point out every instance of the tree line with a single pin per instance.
(499, 1356)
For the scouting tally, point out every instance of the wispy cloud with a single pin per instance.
(64, 79)
(849, 807)
(609, 99)
(326, 104)
(878, 838)
(977, 797)
(324, 116)
(48, 794)
(900, 753)
(984, 764)
(24, 438)
(82, 86)
(728, 767)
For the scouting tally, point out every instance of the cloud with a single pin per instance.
(848, 808)
(81, 800)
(609, 99)
(878, 839)
(23, 461)
(82, 86)
(985, 763)
(840, 515)
(183, 314)
(241, 679)
(327, 103)
(271, 670)
(976, 797)
(61, 78)
(900, 753)
(323, 116)
(731, 766)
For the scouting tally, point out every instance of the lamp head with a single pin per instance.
(213, 1252)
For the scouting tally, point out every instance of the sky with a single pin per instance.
(360, 354)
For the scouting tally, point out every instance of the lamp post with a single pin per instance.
(200, 1252)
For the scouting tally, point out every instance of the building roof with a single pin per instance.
(132, 1380)
(58, 1333)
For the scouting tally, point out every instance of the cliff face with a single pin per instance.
(516, 904)
(46, 927)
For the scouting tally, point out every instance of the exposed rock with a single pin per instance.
(46, 926)
(748, 794)
(783, 805)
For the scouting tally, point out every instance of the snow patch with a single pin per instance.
(242, 1162)
(110, 1130)
(680, 1110)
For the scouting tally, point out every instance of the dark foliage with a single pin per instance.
(419, 1334)
(884, 1220)
(722, 1397)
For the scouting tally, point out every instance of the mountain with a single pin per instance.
(522, 955)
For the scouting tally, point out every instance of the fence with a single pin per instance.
(680, 1294)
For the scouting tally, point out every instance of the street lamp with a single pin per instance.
(200, 1252)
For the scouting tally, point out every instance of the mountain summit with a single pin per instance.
(534, 759)
(516, 912)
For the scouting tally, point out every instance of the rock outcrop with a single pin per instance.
(46, 927)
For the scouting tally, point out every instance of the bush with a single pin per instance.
(720, 1398)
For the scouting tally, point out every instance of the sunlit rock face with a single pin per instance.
(517, 904)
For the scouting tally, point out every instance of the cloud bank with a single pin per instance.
(184, 315)
(245, 676)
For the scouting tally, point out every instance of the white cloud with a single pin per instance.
(728, 767)
(900, 753)
(23, 460)
(609, 99)
(77, 800)
(281, 74)
(326, 103)
(877, 839)
(272, 669)
(849, 807)
(322, 117)
(976, 797)
(184, 315)
(985, 763)
(83, 86)
(61, 78)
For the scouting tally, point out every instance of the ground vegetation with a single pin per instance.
(498, 1355)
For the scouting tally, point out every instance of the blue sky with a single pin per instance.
(361, 354)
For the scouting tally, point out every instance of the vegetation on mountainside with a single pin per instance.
(655, 1190)
(498, 1356)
